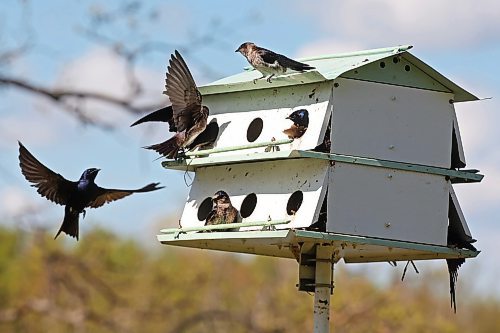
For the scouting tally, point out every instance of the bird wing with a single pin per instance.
(104, 195)
(271, 57)
(165, 115)
(49, 184)
(183, 93)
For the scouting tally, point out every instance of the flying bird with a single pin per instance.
(300, 120)
(204, 139)
(269, 63)
(74, 195)
(188, 114)
(223, 211)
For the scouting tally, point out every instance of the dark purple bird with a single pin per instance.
(188, 114)
(300, 120)
(457, 239)
(269, 63)
(75, 196)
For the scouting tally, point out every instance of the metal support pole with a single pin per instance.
(323, 288)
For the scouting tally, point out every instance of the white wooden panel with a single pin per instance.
(385, 203)
(273, 182)
(235, 111)
(392, 123)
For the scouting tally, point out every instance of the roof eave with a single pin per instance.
(461, 95)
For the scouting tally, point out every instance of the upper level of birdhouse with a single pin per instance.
(382, 103)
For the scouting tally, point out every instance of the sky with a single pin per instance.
(461, 42)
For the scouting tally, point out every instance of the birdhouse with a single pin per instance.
(383, 189)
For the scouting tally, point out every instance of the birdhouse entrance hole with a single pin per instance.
(248, 205)
(205, 208)
(294, 202)
(254, 129)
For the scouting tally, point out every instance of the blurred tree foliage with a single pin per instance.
(107, 284)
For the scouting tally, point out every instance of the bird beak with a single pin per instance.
(287, 117)
(97, 170)
(237, 50)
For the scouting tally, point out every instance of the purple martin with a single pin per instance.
(269, 63)
(459, 240)
(74, 195)
(223, 211)
(300, 120)
(189, 115)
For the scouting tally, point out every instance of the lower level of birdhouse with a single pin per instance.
(321, 194)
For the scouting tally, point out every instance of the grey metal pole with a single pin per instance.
(323, 288)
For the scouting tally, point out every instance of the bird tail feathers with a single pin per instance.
(453, 266)
(70, 223)
(169, 148)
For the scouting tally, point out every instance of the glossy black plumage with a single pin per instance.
(458, 240)
(223, 211)
(188, 114)
(300, 120)
(165, 114)
(268, 62)
(75, 196)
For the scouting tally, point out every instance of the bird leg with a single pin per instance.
(269, 78)
(255, 80)
(181, 154)
(84, 212)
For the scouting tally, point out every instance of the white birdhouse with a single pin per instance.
(385, 183)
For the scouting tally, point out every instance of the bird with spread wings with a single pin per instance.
(189, 116)
(74, 195)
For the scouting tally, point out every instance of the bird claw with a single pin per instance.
(84, 212)
(181, 155)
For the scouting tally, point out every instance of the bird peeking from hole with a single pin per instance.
(268, 63)
(74, 195)
(222, 211)
(300, 120)
(186, 116)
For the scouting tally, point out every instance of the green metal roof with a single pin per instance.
(330, 67)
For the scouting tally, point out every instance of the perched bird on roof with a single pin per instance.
(223, 211)
(459, 240)
(300, 120)
(269, 63)
(75, 196)
(188, 114)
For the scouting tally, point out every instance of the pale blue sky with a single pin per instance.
(460, 42)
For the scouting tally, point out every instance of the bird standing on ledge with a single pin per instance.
(269, 63)
(188, 114)
(300, 120)
(223, 211)
(76, 196)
